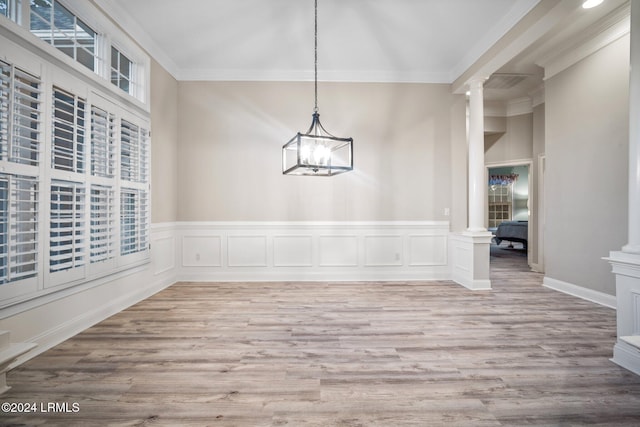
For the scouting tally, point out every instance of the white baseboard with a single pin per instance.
(337, 276)
(627, 356)
(473, 285)
(536, 268)
(580, 292)
(60, 333)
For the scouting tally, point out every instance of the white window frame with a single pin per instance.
(108, 33)
(85, 273)
(71, 38)
(15, 9)
(19, 170)
(112, 35)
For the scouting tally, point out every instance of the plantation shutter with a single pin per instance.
(134, 196)
(68, 148)
(67, 243)
(103, 143)
(18, 227)
(21, 125)
(134, 225)
(134, 152)
(102, 224)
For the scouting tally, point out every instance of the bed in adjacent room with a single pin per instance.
(512, 231)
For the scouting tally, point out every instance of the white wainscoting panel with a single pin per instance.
(462, 258)
(383, 251)
(201, 251)
(163, 248)
(338, 251)
(293, 251)
(313, 251)
(428, 250)
(247, 251)
(470, 259)
(164, 254)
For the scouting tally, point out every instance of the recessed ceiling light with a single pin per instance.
(588, 4)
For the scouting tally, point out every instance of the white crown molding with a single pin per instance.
(495, 109)
(610, 29)
(537, 96)
(517, 107)
(514, 107)
(124, 20)
(356, 76)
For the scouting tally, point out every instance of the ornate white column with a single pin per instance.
(626, 263)
(470, 249)
(477, 184)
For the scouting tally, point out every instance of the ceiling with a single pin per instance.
(433, 41)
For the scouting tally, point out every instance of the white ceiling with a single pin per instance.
(431, 41)
(427, 41)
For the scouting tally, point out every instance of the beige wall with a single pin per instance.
(586, 145)
(459, 172)
(164, 145)
(231, 134)
(516, 143)
(495, 125)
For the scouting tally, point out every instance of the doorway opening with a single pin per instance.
(508, 208)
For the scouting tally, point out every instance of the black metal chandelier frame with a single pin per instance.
(317, 152)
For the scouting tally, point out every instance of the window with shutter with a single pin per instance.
(68, 148)
(67, 242)
(103, 143)
(102, 224)
(134, 224)
(20, 116)
(20, 139)
(129, 152)
(59, 224)
(18, 227)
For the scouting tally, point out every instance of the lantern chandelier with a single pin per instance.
(317, 152)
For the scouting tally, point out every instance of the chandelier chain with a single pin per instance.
(315, 49)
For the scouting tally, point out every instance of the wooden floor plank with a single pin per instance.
(341, 354)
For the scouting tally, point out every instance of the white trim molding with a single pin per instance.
(312, 251)
(615, 26)
(520, 106)
(50, 320)
(470, 259)
(626, 267)
(581, 292)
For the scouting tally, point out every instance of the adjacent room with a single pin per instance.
(320, 212)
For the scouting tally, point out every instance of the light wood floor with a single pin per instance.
(341, 354)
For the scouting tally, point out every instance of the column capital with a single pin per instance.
(476, 82)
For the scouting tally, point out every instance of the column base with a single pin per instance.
(626, 267)
(626, 356)
(469, 256)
